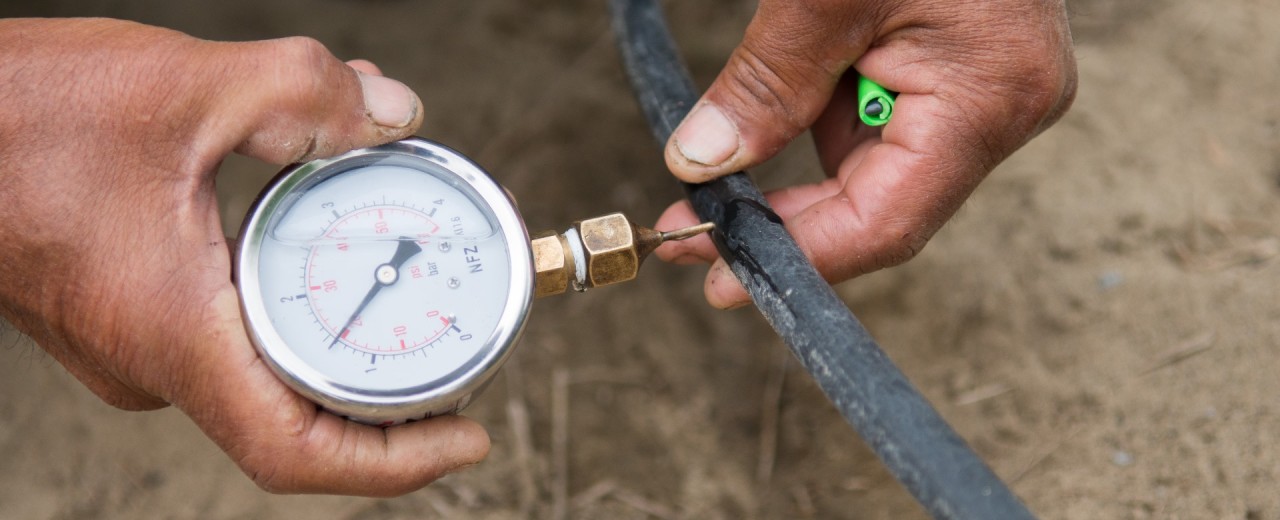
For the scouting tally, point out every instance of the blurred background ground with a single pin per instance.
(1100, 321)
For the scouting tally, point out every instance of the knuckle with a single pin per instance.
(1068, 87)
(264, 466)
(1020, 63)
(1040, 71)
(266, 480)
(765, 79)
(302, 66)
(1037, 95)
(896, 243)
(1042, 87)
(757, 80)
(128, 400)
(272, 460)
(303, 50)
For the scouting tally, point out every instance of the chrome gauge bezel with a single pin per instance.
(432, 397)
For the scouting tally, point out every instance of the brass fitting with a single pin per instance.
(596, 252)
(552, 263)
(612, 246)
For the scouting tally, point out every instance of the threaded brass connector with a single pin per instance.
(596, 252)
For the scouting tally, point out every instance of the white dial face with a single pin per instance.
(385, 277)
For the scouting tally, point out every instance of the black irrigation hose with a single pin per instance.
(914, 442)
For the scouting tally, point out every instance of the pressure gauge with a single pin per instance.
(389, 284)
(386, 284)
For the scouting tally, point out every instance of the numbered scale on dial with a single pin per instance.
(386, 284)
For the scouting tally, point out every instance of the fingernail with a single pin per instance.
(723, 290)
(707, 137)
(389, 102)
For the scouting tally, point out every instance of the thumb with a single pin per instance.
(295, 101)
(774, 86)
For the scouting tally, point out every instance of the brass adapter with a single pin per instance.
(596, 252)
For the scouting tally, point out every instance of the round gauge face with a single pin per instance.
(387, 283)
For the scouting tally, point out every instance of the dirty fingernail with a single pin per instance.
(707, 137)
(722, 289)
(389, 102)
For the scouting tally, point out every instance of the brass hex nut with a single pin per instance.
(611, 250)
(552, 263)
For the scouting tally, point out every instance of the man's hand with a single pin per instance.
(976, 80)
(112, 255)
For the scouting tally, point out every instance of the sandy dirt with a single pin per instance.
(1100, 321)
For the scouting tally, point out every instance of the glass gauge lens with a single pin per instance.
(388, 283)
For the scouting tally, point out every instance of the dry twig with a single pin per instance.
(593, 494)
(982, 393)
(1182, 351)
(521, 436)
(804, 501)
(643, 504)
(1043, 455)
(560, 443)
(770, 404)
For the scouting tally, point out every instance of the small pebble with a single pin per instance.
(1121, 458)
(1109, 280)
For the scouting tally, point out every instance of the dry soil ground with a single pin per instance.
(1100, 321)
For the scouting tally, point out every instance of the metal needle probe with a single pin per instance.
(598, 251)
(689, 232)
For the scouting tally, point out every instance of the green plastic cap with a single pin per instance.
(875, 103)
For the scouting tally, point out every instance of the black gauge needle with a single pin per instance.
(383, 275)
